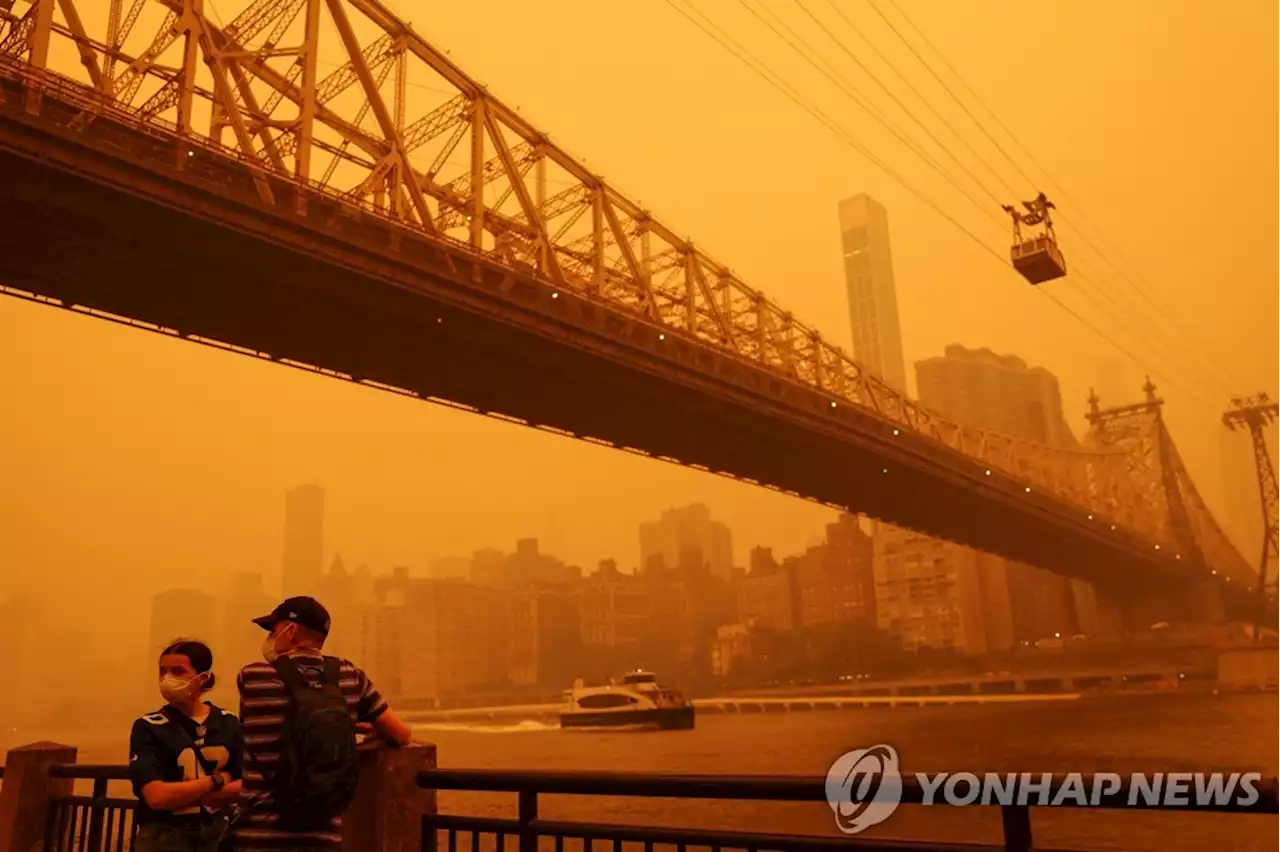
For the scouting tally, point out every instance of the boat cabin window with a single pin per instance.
(605, 699)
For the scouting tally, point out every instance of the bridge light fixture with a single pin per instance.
(1177, 556)
(191, 153)
(1028, 489)
(1157, 547)
(833, 403)
(1091, 517)
(895, 431)
(1113, 526)
(555, 295)
(988, 472)
(884, 470)
(1213, 571)
(662, 337)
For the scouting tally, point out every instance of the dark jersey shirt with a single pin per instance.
(264, 703)
(163, 747)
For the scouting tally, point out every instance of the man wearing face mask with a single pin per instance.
(184, 759)
(301, 713)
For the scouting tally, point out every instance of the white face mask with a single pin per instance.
(177, 690)
(269, 652)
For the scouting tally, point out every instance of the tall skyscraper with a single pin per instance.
(873, 300)
(303, 540)
(1243, 522)
(684, 529)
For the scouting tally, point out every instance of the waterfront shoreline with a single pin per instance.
(741, 705)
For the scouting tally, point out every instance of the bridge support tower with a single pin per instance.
(1253, 414)
(1139, 430)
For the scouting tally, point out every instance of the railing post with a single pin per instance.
(96, 814)
(528, 815)
(27, 793)
(1016, 821)
(386, 814)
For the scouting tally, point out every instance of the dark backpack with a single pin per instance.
(316, 776)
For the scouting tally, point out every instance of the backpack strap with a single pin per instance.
(288, 671)
(333, 672)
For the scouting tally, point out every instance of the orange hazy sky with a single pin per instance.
(131, 462)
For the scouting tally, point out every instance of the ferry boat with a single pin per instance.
(635, 701)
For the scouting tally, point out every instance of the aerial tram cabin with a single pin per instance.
(1036, 258)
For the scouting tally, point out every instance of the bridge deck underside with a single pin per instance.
(122, 230)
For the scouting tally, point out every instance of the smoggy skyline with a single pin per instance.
(134, 462)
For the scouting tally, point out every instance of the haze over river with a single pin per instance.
(1153, 733)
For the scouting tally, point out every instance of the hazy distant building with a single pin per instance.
(615, 608)
(184, 614)
(873, 299)
(545, 640)
(930, 594)
(303, 540)
(677, 531)
(761, 561)
(454, 637)
(836, 580)
(22, 624)
(382, 645)
(449, 568)
(527, 565)
(767, 599)
(240, 641)
(1243, 521)
(731, 647)
(345, 595)
(1000, 393)
(392, 589)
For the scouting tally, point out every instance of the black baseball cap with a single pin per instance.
(305, 611)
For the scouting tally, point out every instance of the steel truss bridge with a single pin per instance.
(315, 183)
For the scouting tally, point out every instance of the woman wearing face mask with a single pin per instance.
(185, 759)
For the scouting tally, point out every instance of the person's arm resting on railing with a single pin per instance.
(373, 710)
(147, 771)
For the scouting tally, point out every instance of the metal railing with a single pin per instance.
(529, 829)
(93, 823)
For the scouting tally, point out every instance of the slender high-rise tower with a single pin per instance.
(303, 540)
(873, 302)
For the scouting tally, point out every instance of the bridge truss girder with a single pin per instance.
(467, 169)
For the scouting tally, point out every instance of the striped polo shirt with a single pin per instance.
(264, 701)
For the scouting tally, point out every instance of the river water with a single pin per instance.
(1176, 732)
(1164, 733)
